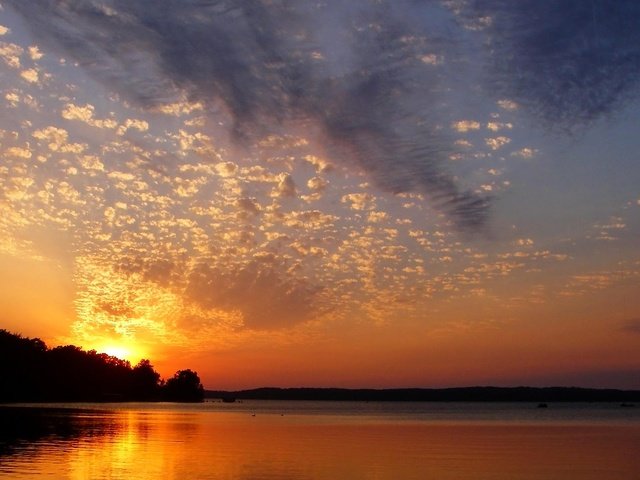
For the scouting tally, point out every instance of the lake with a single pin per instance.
(320, 440)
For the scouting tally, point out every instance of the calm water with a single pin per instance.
(311, 440)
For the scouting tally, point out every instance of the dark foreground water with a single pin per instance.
(310, 440)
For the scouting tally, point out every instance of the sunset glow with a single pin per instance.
(368, 197)
(121, 352)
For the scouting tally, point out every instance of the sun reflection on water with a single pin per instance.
(174, 443)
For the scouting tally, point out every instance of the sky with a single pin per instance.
(408, 193)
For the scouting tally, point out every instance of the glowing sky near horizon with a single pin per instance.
(297, 193)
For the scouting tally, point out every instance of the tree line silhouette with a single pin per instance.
(32, 372)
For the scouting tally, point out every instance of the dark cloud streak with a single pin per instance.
(568, 62)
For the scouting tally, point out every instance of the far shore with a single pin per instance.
(461, 394)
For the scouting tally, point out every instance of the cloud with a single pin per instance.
(355, 71)
(35, 53)
(286, 187)
(526, 152)
(507, 105)
(30, 75)
(249, 206)
(10, 53)
(496, 143)
(497, 126)
(86, 114)
(18, 152)
(568, 62)
(464, 126)
(57, 137)
(317, 184)
(264, 291)
(359, 201)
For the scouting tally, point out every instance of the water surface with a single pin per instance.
(320, 440)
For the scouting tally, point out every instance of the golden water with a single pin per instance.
(191, 443)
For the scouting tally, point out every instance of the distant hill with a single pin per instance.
(464, 394)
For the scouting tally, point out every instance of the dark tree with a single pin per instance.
(30, 372)
(184, 386)
(73, 374)
(21, 359)
(145, 381)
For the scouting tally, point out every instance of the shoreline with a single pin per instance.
(459, 394)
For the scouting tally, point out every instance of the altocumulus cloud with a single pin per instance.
(352, 71)
(367, 76)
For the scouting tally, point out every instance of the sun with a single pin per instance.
(122, 351)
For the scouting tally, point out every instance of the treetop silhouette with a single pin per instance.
(32, 372)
